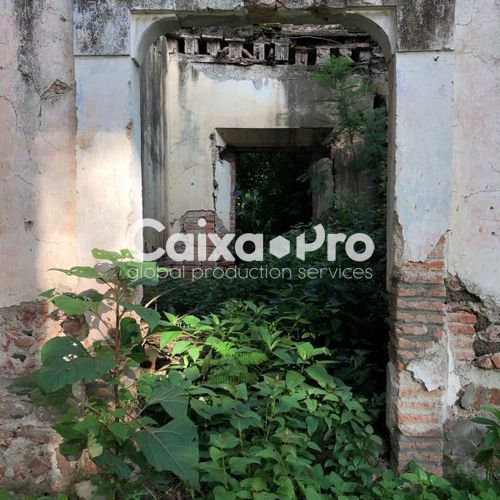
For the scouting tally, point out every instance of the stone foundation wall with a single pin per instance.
(29, 460)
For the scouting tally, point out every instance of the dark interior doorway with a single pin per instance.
(273, 192)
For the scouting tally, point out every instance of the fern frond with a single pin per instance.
(250, 357)
(222, 347)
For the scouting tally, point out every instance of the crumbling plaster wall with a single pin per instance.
(37, 145)
(204, 97)
(473, 286)
(474, 247)
(37, 221)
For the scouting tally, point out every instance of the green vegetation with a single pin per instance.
(247, 407)
(272, 193)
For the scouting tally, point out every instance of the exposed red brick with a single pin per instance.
(414, 406)
(438, 251)
(436, 264)
(462, 317)
(421, 277)
(38, 468)
(26, 315)
(411, 418)
(405, 329)
(421, 456)
(494, 397)
(403, 290)
(420, 305)
(417, 342)
(484, 362)
(24, 341)
(461, 328)
(418, 317)
(429, 395)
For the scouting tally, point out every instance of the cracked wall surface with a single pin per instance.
(37, 144)
(37, 221)
(475, 235)
(102, 26)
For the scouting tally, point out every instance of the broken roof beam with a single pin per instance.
(301, 56)
(281, 51)
(191, 45)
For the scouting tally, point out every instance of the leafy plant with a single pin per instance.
(273, 422)
(109, 423)
(489, 456)
(360, 130)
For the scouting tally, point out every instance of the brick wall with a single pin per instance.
(418, 363)
(474, 331)
(189, 224)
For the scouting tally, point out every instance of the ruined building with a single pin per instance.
(112, 110)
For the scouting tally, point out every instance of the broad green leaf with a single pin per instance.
(80, 271)
(65, 361)
(224, 441)
(120, 430)
(239, 465)
(126, 253)
(53, 378)
(94, 447)
(194, 352)
(192, 373)
(190, 320)
(266, 453)
(346, 417)
(54, 350)
(220, 493)
(216, 454)
(181, 346)
(319, 374)
(258, 484)
(312, 424)
(305, 350)
(312, 494)
(173, 447)
(48, 294)
(129, 330)
(484, 421)
(241, 392)
(167, 337)
(111, 463)
(172, 398)
(172, 318)
(150, 316)
(139, 273)
(71, 305)
(244, 494)
(89, 424)
(293, 379)
(106, 255)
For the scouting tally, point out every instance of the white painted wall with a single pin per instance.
(423, 142)
(37, 149)
(474, 249)
(109, 188)
(204, 97)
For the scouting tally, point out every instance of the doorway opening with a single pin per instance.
(263, 145)
(272, 192)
